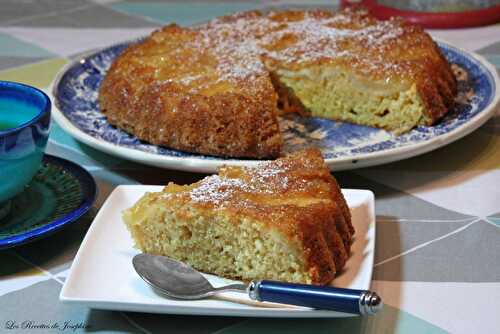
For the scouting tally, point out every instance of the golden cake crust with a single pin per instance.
(143, 93)
(212, 88)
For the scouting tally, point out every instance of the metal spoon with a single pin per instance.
(178, 280)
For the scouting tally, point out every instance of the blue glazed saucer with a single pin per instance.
(60, 193)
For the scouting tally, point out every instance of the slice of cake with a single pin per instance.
(284, 220)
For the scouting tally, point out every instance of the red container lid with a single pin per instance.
(436, 20)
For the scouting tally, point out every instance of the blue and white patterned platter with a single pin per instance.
(344, 146)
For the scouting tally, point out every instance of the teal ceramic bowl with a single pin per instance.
(24, 130)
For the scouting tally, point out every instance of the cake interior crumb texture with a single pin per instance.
(284, 220)
(337, 94)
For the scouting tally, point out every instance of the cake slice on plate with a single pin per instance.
(284, 220)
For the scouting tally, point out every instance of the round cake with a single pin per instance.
(219, 88)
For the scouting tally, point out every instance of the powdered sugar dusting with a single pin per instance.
(216, 189)
(266, 178)
(245, 44)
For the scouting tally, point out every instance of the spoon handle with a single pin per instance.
(321, 297)
(233, 287)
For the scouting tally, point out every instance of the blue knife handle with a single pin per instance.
(320, 297)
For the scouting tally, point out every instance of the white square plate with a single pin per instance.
(102, 275)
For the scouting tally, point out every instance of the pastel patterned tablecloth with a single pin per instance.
(437, 262)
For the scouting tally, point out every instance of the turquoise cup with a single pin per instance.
(24, 131)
